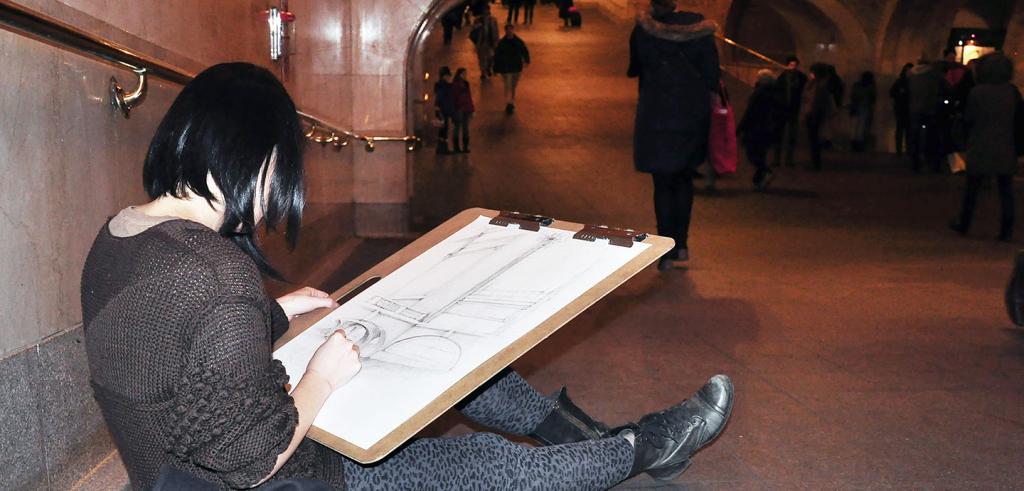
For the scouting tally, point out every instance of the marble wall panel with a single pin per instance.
(68, 163)
(197, 29)
(381, 176)
(378, 103)
(29, 256)
(381, 33)
(329, 174)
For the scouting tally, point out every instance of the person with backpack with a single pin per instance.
(510, 57)
(485, 38)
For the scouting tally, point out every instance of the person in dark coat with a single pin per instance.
(444, 107)
(863, 96)
(821, 107)
(485, 38)
(900, 94)
(989, 115)
(759, 128)
(790, 84)
(462, 97)
(510, 57)
(674, 56)
(928, 93)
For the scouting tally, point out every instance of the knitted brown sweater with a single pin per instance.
(178, 330)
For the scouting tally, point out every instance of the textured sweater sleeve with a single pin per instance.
(232, 414)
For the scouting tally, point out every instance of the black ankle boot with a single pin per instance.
(567, 423)
(665, 441)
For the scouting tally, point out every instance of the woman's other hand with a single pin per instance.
(335, 362)
(305, 300)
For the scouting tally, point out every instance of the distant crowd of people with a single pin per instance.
(505, 55)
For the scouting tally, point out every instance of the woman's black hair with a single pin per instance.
(228, 122)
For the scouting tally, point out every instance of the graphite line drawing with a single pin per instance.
(471, 292)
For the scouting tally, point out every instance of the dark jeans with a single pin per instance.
(1005, 185)
(513, 14)
(460, 137)
(924, 142)
(528, 13)
(814, 139)
(673, 206)
(442, 132)
(787, 142)
(757, 154)
(902, 133)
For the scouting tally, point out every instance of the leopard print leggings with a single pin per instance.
(487, 461)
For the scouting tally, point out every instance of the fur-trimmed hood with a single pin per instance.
(674, 32)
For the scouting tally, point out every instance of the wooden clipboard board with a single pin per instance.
(484, 372)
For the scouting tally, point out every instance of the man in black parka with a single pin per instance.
(674, 56)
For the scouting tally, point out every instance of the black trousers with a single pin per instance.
(787, 142)
(1005, 185)
(814, 139)
(925, 142)
(528, 13)
(757, 154)
(902, 133)
(673, 206)
(513, 14)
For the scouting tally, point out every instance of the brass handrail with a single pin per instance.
(750, 51)
(19, 19)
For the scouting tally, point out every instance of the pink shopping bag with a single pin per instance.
(722, 138)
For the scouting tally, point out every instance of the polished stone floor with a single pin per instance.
(868, 344)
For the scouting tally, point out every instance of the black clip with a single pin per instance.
(524, 221)
(614, 236)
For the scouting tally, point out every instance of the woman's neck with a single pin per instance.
(191, 207)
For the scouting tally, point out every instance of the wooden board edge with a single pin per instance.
(484, 372)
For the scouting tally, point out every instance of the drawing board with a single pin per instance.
(450, 311)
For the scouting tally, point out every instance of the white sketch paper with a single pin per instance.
(432, 321)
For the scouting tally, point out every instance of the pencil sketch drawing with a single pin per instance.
(425, 323)
(432, 321)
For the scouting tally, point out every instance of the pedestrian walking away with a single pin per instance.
(761, 126)
(463, 99)
(484, 35)
(990, 116)
(790, 84)
(673, 55)
(510, 57)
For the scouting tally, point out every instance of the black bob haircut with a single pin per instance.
(228, 122)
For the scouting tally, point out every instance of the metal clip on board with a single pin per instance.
(524, 221)
(615, 236)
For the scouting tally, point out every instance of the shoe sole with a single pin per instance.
(670, 473)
